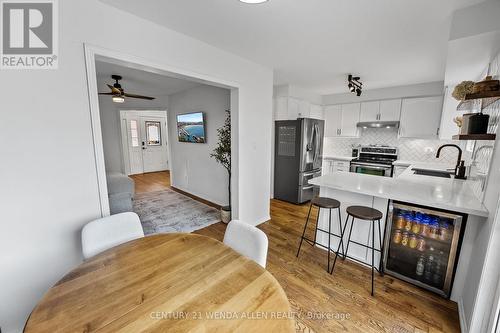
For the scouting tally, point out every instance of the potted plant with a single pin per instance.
(222, 154)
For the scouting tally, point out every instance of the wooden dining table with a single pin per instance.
(165, 283)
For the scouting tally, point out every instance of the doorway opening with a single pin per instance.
(144, 139)
(139, 139)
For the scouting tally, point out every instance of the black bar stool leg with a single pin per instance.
(341, 240)
(317, 221)
(303, 232)
(349, 238)
(373, 252)
(343, 234)
(338, 248)
(329, 237)
(381, 265)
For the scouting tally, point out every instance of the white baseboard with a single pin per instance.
(262, 220)
(461, 316)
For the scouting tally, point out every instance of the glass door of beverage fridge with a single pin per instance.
(422, 245)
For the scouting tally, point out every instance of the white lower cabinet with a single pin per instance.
(332, 165)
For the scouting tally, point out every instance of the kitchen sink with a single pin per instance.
(432, 173)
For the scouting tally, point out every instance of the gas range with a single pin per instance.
(375, 160)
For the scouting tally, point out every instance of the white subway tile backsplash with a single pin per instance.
(409, 149)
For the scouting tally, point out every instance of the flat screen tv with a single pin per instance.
(191, 127)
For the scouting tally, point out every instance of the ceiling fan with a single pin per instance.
(119, 94)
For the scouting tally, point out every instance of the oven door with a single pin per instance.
(372, 169)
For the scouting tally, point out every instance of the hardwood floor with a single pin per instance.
(396, 307)
(342, 301)
(150, 182)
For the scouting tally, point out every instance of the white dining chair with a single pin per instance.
(107, 232)
(247, 240)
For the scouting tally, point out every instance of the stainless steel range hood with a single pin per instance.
(379, 124)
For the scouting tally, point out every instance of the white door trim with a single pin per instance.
(93, 53)
(124, 135)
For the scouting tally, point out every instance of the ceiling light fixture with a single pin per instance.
(253, 1)
(354, 84)
(118, 99)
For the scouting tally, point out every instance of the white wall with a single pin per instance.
(193, 170)
(111, 128)
(49, 181)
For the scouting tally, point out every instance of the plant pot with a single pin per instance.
(225, 214)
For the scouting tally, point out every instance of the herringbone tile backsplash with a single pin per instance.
(417, 150)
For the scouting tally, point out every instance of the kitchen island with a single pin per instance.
(374, 191)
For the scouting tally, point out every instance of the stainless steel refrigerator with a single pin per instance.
(298, 157)
(422, 245)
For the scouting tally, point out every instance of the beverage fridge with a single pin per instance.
(422, 245)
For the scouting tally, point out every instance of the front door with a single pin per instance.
(147, 144)
(154, 151)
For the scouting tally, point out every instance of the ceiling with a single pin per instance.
(316, 43)
(140, 82)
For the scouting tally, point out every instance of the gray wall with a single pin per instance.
(111, 128)
(193, 170)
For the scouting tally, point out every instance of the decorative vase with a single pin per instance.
(225, 214)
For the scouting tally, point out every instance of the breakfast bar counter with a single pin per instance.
(444, 193)
(449, 195)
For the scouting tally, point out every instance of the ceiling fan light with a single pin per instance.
(118, 99)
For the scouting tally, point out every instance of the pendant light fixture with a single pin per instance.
(354, 84)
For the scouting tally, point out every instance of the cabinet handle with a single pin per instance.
(437, 132)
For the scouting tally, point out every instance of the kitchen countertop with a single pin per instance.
(408, 163)
(338, 157)
(444, 193)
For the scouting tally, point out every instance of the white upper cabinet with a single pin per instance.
(281, 108)
(342, 120)
(304, 109)
(288, 108)
(370, 111)
(293, 108)
(421, 117)
(390, 110)
(333, 117)
(316, 111)
(350, 119)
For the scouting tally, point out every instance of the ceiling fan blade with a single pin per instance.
(138, 96)
(114, 91)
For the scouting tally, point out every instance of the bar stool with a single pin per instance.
(365, 214)
(326, 203)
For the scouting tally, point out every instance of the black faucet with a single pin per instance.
(460, 166)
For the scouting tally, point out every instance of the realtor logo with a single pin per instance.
(29, 34)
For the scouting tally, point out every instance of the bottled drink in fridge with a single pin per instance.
(422, 245)
(420, 266)
(438, 270)
(429, 265)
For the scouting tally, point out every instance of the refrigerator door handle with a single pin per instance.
(316, 142)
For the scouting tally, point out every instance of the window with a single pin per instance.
(153, 133)
(134, 134)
